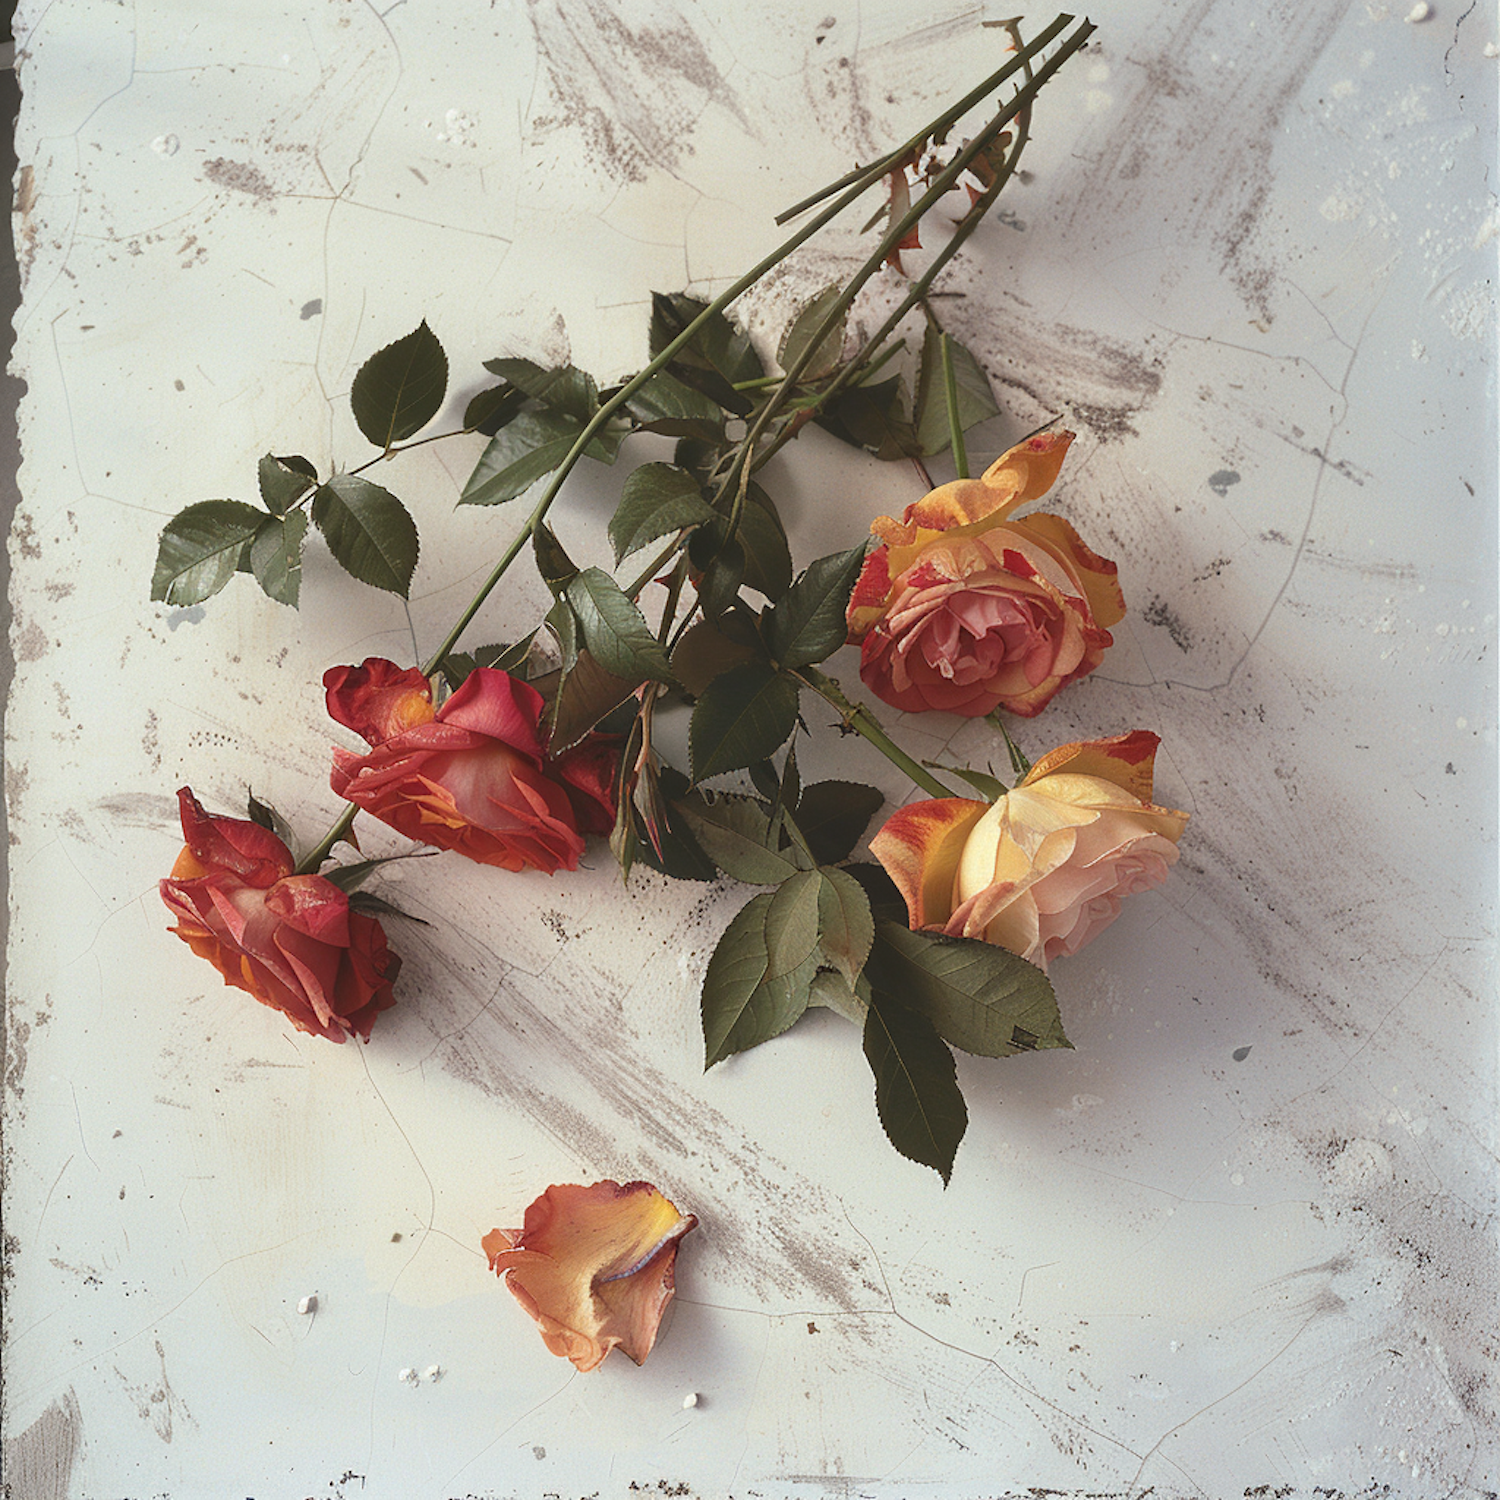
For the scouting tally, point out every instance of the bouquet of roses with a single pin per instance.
(512, 754)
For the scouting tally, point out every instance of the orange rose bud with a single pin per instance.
(290, 940)
(594, 1267)
(1041, 871)
(965, 610)
(471, 775)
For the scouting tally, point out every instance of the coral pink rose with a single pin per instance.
(471, 775)
(1043, 870)
(290, 940)
(964, 609)
(594, 1267)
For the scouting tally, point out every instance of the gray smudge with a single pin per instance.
(1220, 481)
(39, 1461)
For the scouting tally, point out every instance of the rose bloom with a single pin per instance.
(1043, 870)
(964, 609)
(471, 775)
(594, 1267)
(290, 940)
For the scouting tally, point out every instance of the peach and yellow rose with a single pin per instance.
(965, 609)
(1043, 869)
(594, 1267)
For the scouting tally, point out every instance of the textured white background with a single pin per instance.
(1243, 1236)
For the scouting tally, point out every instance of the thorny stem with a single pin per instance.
(955, 423)
(862, 721)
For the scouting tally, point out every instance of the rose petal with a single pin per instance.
(920, 846)
(593, 1266)
(377, 699)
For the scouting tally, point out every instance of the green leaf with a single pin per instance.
(658, 498)
(398, 391)
(873, 417)
(768, 559)
(759, 976)
(734, 832)
(679, 855)
(803, 329)
(377, 906)
(526, 449)
(457, 665)
(721, 562)
(276, 556)
(284, 480)
(743, 715)
(614, 630)
(916, 1085)
(833, 815)
(667, 405)
(200, 549)
(978, 997)
(368, 531)
(887, 904)
(565, 389)
(976, 402)
(715, 359)
(807, 625)
(831, 990)
(491, 409)
(585, 694)
(705, 651)
(552, 561)
(268, 818)
(845, 927)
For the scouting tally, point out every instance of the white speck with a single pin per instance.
(689, 1401)
(1237, 1179)
(1461, 722)
(1343, 88)
(1419, 351)
(407, 1376)
(1099, 73)
(1439, 629)
(1339, 206)
(1418, 12)
(1492, 49)
(165, 145)
(1096, 101)
(309, 1304)
(1393, 170)
(1174, 1346)
(433, 1374)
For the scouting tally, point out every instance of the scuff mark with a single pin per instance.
(241, 176)
(39, 1461)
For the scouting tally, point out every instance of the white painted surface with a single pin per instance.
(1243, 1235)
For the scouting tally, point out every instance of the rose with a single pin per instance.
(469, 776)
(290, 940)
(963, 609)
(594, 1267)
(1043, 870)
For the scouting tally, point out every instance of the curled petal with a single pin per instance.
(593, 1267)
(1127, 760)
(378, 699)
(920, 846)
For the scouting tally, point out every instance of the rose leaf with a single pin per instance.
(808, 625)
(565, 389)
(284, 481)
(733, 832)
(200, 549)
(368, 530)
(614, 630)
(804, 329)
(276, 556)
(916, 1085)
(398, 390)
(833, 815)
(742, 716)
(658, 499)
(976, 402)
(527, 449)
(979, 998)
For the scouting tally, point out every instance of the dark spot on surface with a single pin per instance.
(1221, 480)
(239, 175)
(396, 1238)
(1159, 613)
(189, 616)
(312, 309)
(812, 1327)
(538, 1451)
(177, 385)
(1448, 770)
(1240, 1054)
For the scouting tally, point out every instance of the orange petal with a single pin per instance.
(1127, 760)
(1097, 574)
(920, 847)
(593, 1266)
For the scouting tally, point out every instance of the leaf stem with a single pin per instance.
(863, 722)
(309, 863)
(955, 423)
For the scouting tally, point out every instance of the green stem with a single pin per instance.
(309, 863)
(863, 722)
(955, 425)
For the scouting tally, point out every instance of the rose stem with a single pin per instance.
(955, 426)
(862, 721)
(856, 189)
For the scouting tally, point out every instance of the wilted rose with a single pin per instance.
(471, 775)
(962, 608)
(290, 940)
(593, 1266)
(1042, 870)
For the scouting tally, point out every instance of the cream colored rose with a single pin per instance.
(1043, 870)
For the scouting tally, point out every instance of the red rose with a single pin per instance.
(290, 940)
(966, 610)
(469, 776)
